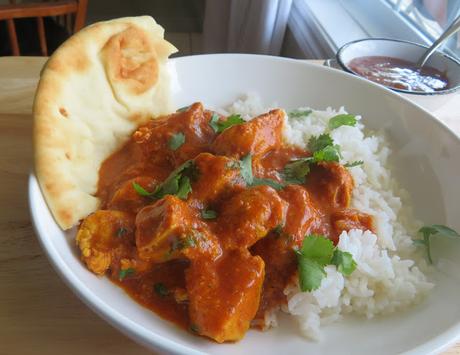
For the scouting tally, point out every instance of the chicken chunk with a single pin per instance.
(346, 219)
(302, 216)
(255, 137)
(277, 250)
(331, 183)
(169, 230)
(127, 199)
(104, 237)
(250, 215)
(155, 137)
(224, 295)
(218, 177)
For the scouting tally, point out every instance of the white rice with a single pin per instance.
(387, 277)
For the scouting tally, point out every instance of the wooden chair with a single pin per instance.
(63, 9)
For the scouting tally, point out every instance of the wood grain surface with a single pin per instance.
(38, 313)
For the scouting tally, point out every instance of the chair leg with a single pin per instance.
(13, 37)
(80, 16)
(42, 36)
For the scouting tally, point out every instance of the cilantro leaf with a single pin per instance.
(295, 171)
(246, 172)
(160, 289)
(299, 113)
(184, 187)
(342, 120)
(208, 214)
(270, 182)
(440, 229)
(316, 252)
(320, 142)
(124, 273)
(344, 262)
(246, 169)
(182, 243)
(323, 149)
(429, 231)
(310, 273)
(328, 153)
(318, 248)
(353, 163)
(278, 229)
(219, 126)
(176, 141)
(189, 242)
(214, 122)
(121, 232)
(141, 191)
(178, 182)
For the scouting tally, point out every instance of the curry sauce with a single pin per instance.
(198, 224)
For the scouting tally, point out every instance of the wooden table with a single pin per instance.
(38, 313)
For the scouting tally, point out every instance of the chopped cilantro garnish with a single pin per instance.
(316, 252)
(184, 187)
(342, 120)
(194, 328)
(299, 113)
(141, 191)
(246, 169)
(323, 149)
(214, 122)
(176, 141)
(295, 171)
(208, 214)
(121, 232)
(310, 273)
(353, 163)
(317, 143)
(160, 289)
(246, 173)
(219, 126)
(327, 154)
(278, 230)
(178, 183)
(124, 273)
(318, 248)
(433, 230)
(344, 262)
(189, 241)
(269, 182)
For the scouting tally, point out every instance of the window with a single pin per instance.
(321, 27)
(431, 17)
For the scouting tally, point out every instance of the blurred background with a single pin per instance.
(293, 28)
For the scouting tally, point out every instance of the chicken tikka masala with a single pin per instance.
(200, 219)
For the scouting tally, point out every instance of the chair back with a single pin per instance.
(70, 13)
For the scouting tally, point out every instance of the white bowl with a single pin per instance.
(405, 50)
(426, 155)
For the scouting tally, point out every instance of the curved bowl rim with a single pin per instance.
(345, 67)
(150, 338)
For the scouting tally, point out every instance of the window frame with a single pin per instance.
(318, 34)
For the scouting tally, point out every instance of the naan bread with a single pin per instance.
(93, 92)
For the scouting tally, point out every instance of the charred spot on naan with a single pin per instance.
(131, 61)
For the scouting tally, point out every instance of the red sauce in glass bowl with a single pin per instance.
(399, 74)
